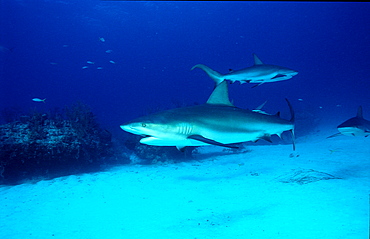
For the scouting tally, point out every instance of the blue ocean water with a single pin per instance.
(143, 52)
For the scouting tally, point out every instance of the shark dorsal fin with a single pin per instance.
(220, 95)
(359, 112)
(261, 106)
(257, 60)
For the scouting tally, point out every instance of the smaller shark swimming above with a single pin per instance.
(258, 73)
(356, 126)
(218, 122)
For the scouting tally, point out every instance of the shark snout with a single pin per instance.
(294, 73)
(125, 127)
(288, 72)
(129, 128)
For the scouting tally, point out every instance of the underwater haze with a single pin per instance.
(73, 71)
(142, 53)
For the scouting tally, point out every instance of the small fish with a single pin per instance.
(39, 100)
(53, 63)
(65, 45)
(300, 99)
(5, 49)
(101, 39)
(85, 67)
(108, 51)
(99, 68)
(112, 62)
(90, 62)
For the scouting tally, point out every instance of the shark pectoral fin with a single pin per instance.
(210, 141)
(334, 135)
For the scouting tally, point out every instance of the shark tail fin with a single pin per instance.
(359, 112)
(44, 100)
(293, 138)
(292, 119)
(217, 77)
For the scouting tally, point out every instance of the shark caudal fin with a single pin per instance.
(217, 77)
(292, 119)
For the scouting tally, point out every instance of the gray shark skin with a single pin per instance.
(356, 126)
(217, 122)
(258, 73)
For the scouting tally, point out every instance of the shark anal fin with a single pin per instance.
(210, 141)
(267, 138)
(181, 148)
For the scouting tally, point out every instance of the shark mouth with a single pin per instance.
(279, 76)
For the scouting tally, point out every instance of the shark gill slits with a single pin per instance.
(185, 129)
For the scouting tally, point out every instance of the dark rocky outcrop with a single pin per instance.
(46, 145)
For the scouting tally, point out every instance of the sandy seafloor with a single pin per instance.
(319, 191)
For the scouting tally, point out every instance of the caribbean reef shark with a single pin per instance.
(356, 126)
(259, 73)
(217, 122)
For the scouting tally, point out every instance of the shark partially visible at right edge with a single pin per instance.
(356, 126)
(258, 73)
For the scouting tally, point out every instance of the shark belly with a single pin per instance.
(178, 142)
(352, 131)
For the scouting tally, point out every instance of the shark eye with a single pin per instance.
(143, 125)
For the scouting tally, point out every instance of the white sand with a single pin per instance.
(217, 195)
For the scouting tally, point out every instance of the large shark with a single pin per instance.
(258, 73)
(356, 126)
(217, 122)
